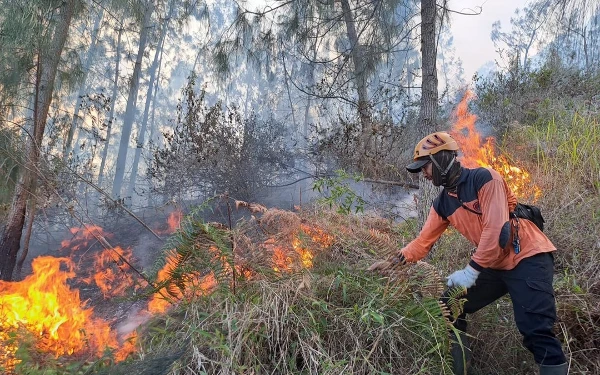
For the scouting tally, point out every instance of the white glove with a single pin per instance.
(465, 277)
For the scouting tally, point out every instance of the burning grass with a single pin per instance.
(324, 316)
(45, 309)
(320, 323)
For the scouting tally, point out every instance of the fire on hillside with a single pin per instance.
(47, 307)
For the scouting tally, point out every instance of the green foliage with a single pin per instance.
(197, 247)
(19, 26)
(331, 318)
(534, 96)
(570, 140)
(25, 30)
(337, 191)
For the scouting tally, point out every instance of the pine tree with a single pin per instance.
(55, 29)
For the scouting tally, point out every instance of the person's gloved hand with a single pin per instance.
(393, 261)
(465, 277)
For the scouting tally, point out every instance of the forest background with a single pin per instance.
(118, 113)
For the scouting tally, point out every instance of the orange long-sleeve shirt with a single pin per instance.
(480, 211)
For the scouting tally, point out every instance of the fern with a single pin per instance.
(380, 241)
(196, 251)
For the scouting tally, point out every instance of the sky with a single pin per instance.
(472, 39)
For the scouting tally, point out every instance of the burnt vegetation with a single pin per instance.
(213, 148)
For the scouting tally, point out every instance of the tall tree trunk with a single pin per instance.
(91, 53)
(151, 82)
(31, 210)
(111, 115)
(311, 83)
(47, 67)
(153, 128)
(360, 74)
(429, 97)
(154, 138)
(286, 79)
(131, 104)
(429, 88)
(307, 111)
(526, 52)
(585, 49)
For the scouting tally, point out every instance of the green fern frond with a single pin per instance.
(455, 302)
(196, 250)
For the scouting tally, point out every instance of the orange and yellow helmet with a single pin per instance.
(430, 145)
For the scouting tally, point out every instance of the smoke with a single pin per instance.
(137, 316)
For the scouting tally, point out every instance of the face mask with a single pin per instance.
(445, 168)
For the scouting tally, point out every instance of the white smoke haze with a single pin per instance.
(136, 317)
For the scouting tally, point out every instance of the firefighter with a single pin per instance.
(512, 254)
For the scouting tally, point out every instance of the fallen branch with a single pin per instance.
(397, 183)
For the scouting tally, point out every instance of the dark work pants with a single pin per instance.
(530, 288)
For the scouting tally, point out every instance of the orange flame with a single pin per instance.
(83, 237)
(194, 283)
(45, 305)
(174, 220)
(114, 275)
(128, 347)
(173, 223)
(476, 153)
(282, 258)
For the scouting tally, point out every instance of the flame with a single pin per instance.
(83, 237)
(114, 275)
(128, 347)
(318, 235)
(174, 220)
(44, 305)
(194, 283)
(282, 258)
(476, 153)
(173, 223)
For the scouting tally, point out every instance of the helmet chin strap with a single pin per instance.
(445, 172)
